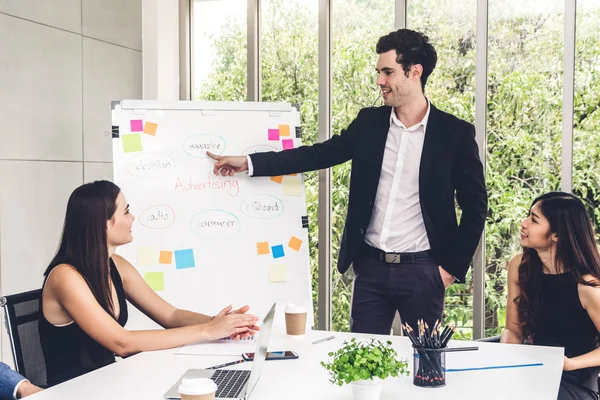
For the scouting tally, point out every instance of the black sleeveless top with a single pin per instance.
(565, 323)
(69, 351)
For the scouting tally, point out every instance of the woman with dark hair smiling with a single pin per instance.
(553, 293)
(84, 307)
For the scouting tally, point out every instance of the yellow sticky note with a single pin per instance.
(156, 280)
(277, 179)
(132, 143)
(165, 257)
(295, 243)
(278, 273)
(284, 130)
(146, 256)
(292, 186)
(262, 248)
(150, 128)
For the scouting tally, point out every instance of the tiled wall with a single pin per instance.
(61, 64)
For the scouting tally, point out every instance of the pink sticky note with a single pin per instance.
(273, 134)
(287, 144)
(137, 125)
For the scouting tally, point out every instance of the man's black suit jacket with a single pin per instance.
(449, 164)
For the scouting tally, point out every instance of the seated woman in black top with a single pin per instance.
(83, 300)
(553, 293)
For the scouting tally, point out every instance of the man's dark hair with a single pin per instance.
(411, 48)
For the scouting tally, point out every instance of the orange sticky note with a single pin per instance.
(262, 248)
(165, 257)
(295, 243)
(150, 128)
(277, 179)
(284, 130)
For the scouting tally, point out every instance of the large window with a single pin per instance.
(450, 26)
(586, 146)
(289, 69)
(355, 28)
(524, 140)
(525, 58)
(219, 55)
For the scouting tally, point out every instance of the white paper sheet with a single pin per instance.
(487, 359)
(221, 347)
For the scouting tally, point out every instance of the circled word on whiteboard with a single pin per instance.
(159, 216)
(263, 206)
(197, 145)
(151, 165)
(215, 224)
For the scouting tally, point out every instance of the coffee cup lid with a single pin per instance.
(195, 386)
(294, 309)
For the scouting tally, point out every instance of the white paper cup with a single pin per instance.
(197, 389)
(295, 320)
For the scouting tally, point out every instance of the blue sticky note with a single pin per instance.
(184, 259)
(277, 251)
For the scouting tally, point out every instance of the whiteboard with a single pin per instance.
(203, 241)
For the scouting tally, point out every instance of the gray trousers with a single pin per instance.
(415, 290)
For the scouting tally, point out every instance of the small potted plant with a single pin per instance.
(365, 365)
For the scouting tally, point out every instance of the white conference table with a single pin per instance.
(149, 375)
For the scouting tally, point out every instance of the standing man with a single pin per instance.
(409, 160)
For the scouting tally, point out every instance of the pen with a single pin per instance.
(453, 349)
(323, 340)
(226, 364)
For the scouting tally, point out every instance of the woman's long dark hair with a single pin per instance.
(84, 243)
(576, 253)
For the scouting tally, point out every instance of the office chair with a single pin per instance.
(22, 313)
(491, 339)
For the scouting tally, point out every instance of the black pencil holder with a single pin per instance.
(429, 367)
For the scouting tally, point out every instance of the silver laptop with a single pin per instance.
(234, 384)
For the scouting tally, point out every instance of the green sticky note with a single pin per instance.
(156, 280)
(132, 143)
(146, 256)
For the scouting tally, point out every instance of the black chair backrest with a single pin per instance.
(493, 339)
(22, 312)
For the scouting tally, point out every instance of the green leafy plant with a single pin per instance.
(356, 361)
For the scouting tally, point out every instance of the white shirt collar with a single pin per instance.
(394, 119)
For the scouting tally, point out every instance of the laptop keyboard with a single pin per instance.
(230, 382)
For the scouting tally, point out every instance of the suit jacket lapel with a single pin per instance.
(381, 128)
(428, 153)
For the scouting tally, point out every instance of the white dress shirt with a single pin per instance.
(397, 222)
(17, 388)
(250, 166)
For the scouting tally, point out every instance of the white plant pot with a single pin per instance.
(367, 389)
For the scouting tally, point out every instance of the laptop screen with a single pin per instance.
(260, 353)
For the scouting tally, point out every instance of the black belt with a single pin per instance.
(397, 258)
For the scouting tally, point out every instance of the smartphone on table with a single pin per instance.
(273, 355)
